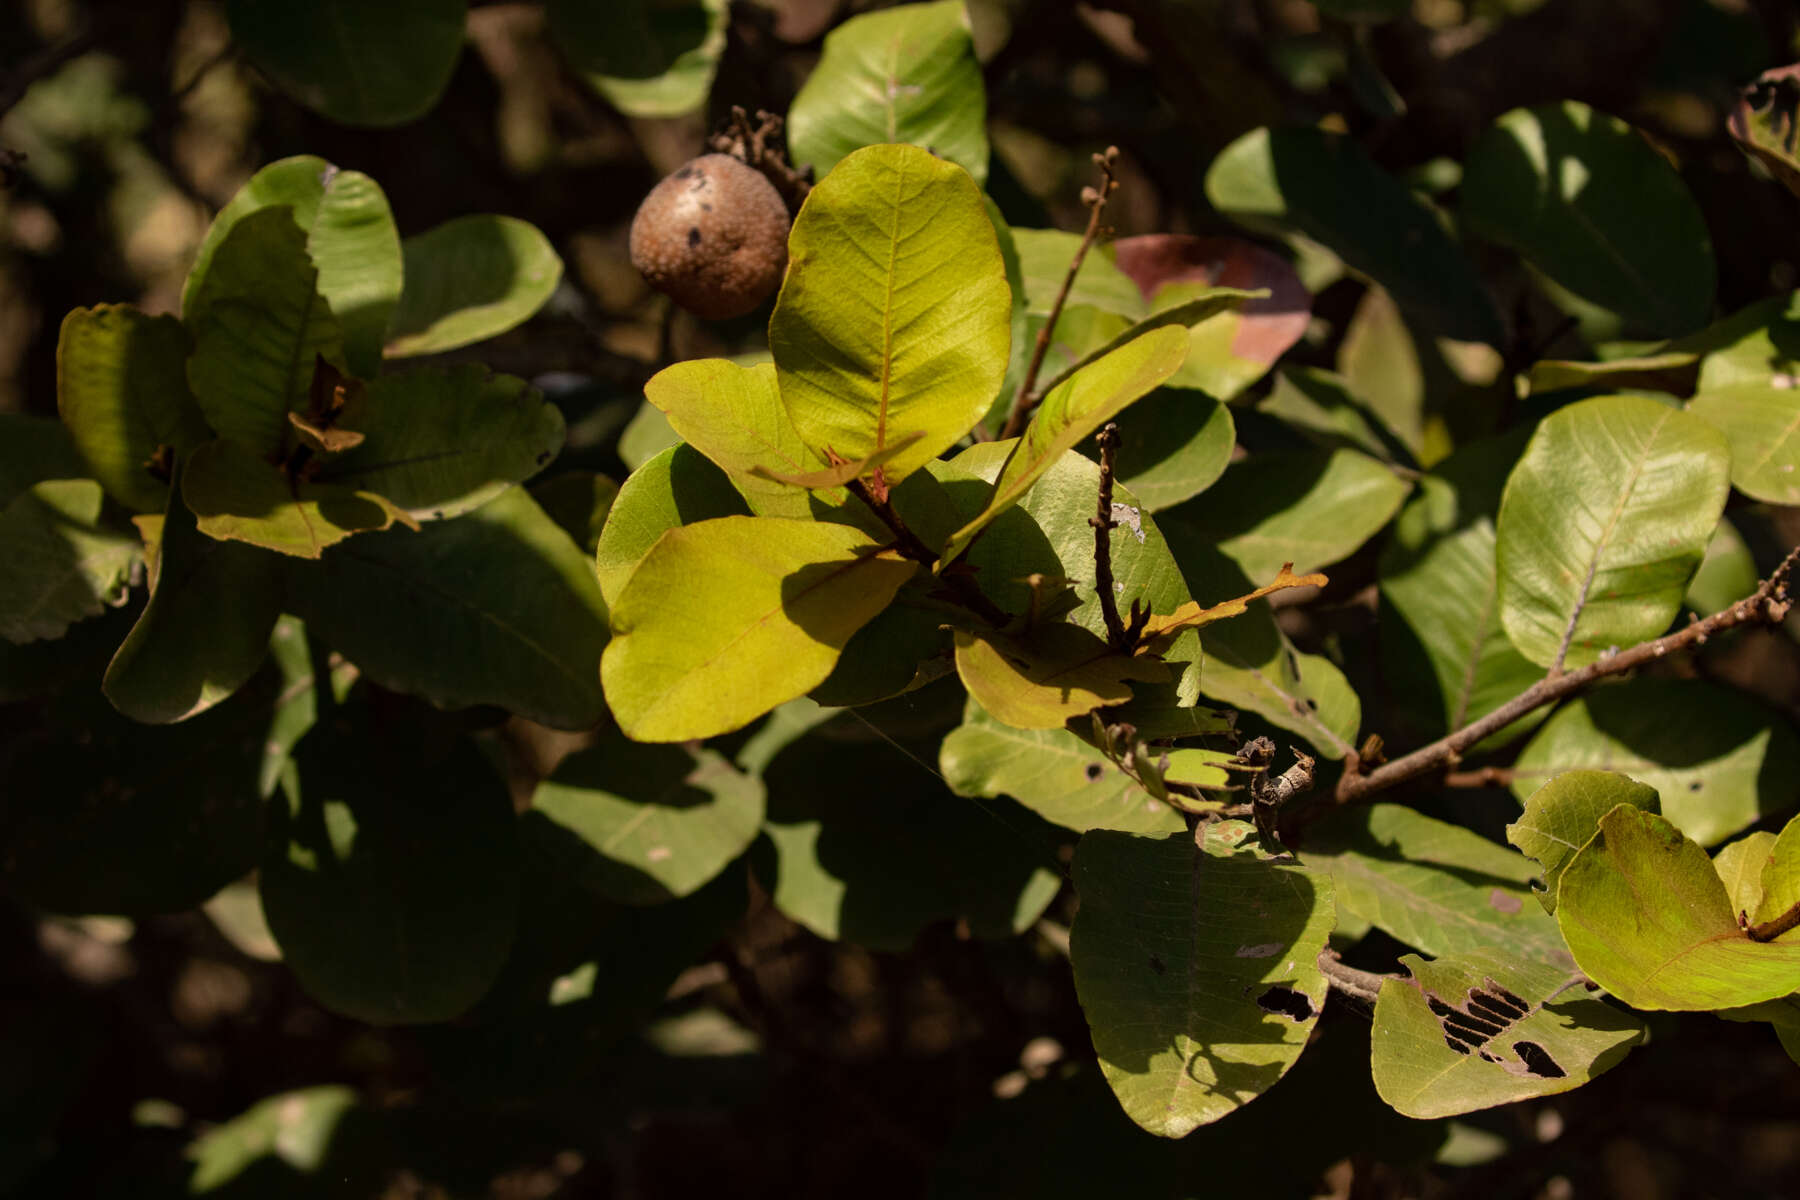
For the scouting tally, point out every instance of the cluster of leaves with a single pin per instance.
(301, 537)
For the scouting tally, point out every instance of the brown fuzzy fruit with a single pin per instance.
(713, 235)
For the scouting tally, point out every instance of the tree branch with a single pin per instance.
(962, 588)
(1095, 199)
(1103, 525)
(1768, 604)
(1363, 985)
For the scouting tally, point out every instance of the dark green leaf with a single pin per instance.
(206, 629)
(1309, 509)
(1718, 758)
(875, 866)
(355, 62)
(259, 325)
(121, 388)
(649, 58)
(469, 279)
(905, 75)
(1173, 445)
(645, 824)
(1327, 187)
(391, 880)
(238, 495)
(1440, 586)
(1197, 971)
(440, 442)
(1053, 773)
(350, 237)
(1593, 206)
(58, 564)
(496, 607)
(1435, 886)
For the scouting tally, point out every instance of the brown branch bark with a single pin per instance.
(962, 589)
(1363, 985)
(1768, 604)
(1103, 525)
(1095, 199)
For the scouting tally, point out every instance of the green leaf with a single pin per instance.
(357, 63)
(649, 58)
(350, 237)
(1205, 304)
(906, 646)
(1670, 371)
(469, 279)
(1173, 445)
(1562, 815)
(206, 629)
(496, 607)
(1435, 886)
(298, 706)
(1060, 671)
(1760, 424)
(1727, 574)
(1250, 664)
(1320, 407)
(105, 815)
(1756, 344)
(1197, 971)
(895, 316)
(1780, 876)
(725, 619)
(1310, 509)
(296, 1129)
(259, 324)
(391, 881)
(1593, 206)
(1603, 523)
(1483, 1028)
(677, 487)
(1044, 258)
(58, 564)
(237, 495)
(579, 502)
(33, 449)
(1050, 771)
(905, 75)
(1327, 188)
(1647, 918)
(1379, 362)
(1740, 866)
(1232, 350)
(121, 388)
(1718, 758)
(443, 441)
(1071, 411)
(1440, 593)
(645, 824)
(902, 853)
(735, 417)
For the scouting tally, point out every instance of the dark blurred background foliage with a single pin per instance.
(173, 1054)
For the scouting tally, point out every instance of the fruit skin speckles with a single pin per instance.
(713, 235)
